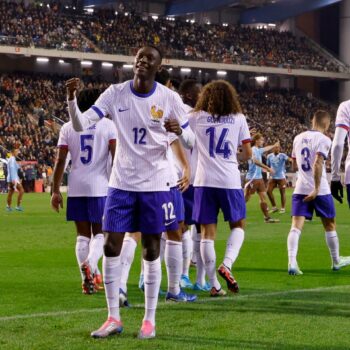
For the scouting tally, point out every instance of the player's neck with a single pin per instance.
(142, 86)
(318, 128)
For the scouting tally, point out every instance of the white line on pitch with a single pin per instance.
(162, 303)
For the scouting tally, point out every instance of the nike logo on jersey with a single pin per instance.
(123, 109)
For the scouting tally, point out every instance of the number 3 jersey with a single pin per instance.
(217, 141)
(306, 147)
(89, 152)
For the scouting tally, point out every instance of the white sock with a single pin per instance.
(173, 263)
(186, 252)
(82, 250)
(194, 238)
(333, 245)
(200, 279)
(293, 242)
(126, 258)
(96, 250)
(209, 259)
(233, 246)
(152, 276)
(111, 276)
(162, 246)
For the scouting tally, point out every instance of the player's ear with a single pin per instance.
(160, 67)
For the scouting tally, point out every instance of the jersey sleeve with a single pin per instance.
(343, 116)
(323, 147)
(63, 139)
(244, 133)
(179, 111)
(102, 106)
(285, 157)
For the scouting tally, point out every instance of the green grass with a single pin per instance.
(41, 305)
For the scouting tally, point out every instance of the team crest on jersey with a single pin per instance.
(156, 113)
(93, 127)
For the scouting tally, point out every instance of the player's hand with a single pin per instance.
(337, 191)
(184, 182)
(311, 196)
(271, 171)
(56, 201)
(72, 87)
(172, 125)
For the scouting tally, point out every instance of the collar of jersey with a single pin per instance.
(138, 94)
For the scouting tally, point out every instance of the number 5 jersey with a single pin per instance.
(89, 152)
(306, 147)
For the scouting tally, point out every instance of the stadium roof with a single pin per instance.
(253, 11)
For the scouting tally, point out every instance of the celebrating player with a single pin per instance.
(342, 127)
(277, 162)
(312, 192)
(13, 181)
(220, 128)
(138, 198)
(87, 186)
(255, 182)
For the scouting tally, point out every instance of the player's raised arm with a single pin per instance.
(82, 121)
(271, 147)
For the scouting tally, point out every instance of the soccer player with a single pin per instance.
(342, 127)
(312, 192)
(220, 128)
(13, 181)
(87, 186)
(139, 197)
(277, 161)
(255, 182)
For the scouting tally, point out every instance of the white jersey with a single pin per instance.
(89, 151)
(343, 121)
(141, 162)
(217, 143)
(306, 147)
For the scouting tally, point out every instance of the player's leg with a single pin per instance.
(248, 191)
(293, 244)
(20, 190)
(126, 259)
(11, 190)
(282, 187)
(263, 203)
(270, 187)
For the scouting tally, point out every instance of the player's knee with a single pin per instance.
(329, 226)
(151, 253)
(111, 249)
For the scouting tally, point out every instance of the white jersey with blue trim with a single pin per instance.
(306, 147)
(89, 152)
(141, 163)
(343, 121)
(217, 141)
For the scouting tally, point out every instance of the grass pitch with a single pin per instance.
(41, 305)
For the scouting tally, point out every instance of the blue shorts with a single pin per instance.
(178, 204)
(208, 201)
(322, 205)
(348, 193)
(85, 209)
(188, 197)
(147, 212)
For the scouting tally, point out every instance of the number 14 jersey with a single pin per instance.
(217, 140)
(306, 147)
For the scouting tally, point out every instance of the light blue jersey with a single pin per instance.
(12, 170)
(278, 164)
(254, 171)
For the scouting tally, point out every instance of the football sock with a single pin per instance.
(209, 259)
(233, 246)
(152, 275)
(292, 242)
(200, 278)
(82, 250)
(111, 275)
(126, 258)
(333, 245)
(162, 246)
(186, 252)
(173, 263)
(194, 237)
(96, 250)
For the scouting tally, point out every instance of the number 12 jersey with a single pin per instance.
(306, 147)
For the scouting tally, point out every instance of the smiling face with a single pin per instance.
(147, 63)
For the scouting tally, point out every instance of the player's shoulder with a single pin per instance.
(118, 88)
(325, 138)
(66, 126)
(344, 106)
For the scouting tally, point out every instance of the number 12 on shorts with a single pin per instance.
(169, 211)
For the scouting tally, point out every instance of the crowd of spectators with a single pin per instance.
(56, 28)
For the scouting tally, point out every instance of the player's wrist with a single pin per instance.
(179, 132)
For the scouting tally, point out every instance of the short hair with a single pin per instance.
(256, 137)
(187, 85)
(162, 76)
(175, 83)
(319, 115)
(219, 98)
(87, 97)
(157, 48)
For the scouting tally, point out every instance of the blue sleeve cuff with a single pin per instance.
(98, 111)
